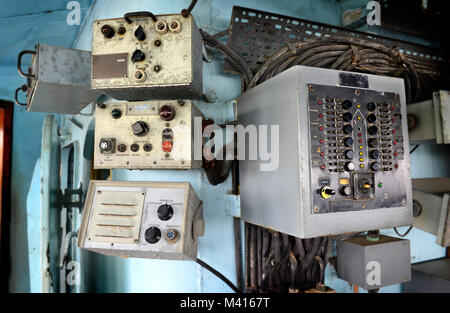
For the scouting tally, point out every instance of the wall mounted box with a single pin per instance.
(144, 59)
(58, 80)
(343, 149)
(158, 220)
(147, 135)
(374, 264)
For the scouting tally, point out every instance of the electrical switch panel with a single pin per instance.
(147, 135)
(343, 153)
(159, 220)
(145, 57)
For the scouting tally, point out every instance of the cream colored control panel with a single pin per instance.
(142, 219)
(141, 58)
(147, 135)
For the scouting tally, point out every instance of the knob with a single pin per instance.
(139, 128)
(348, 129)
(350, 166)
(346, 191)
(349, 154)
(165, 212)
(166, 112)
(138, 56)
(116, 113)
(372, 130)
(347, 116)
(371, 118)
(375, 167)
(371, 106)
(346, 104)
(152, 235)
(373, 143)
(107, 31)
(374, 154)
(326, 192)
(348, 141)
(140, 34)
(106, 145)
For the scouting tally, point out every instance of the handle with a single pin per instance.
(19, 62)
(139, 14)
(23, 88)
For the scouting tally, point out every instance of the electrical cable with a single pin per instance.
(219, 275)
(186, 12)
(406, 233)
(414, 149)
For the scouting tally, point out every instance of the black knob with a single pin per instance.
(116, 113)
(371, 106)
(348, 129)
(375, 167)
(372, 130)
(373, 143)
(165, 212)
(152, 235)
(107, 31)
(329, 191)
(349, 154)
(346, 104)
(374, 154)
(347, 116)
(371, 118)
(346, 191)
(348, 141)
(140, 34)
(138, 56)
(139, 128)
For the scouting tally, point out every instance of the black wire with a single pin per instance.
(186, 12)
(414, 149)
(218, 274)
(406, 233)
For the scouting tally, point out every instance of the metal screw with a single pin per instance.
(157, 68)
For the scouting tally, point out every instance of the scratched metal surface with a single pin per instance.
(109, 274)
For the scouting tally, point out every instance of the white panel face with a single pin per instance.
(163, 144)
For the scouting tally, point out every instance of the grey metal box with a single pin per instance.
(58, 80)
(287, 199)
(122, 218)
(170, 63)
(374, 264)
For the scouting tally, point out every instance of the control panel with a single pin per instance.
(357, 150)
(343, 161)
(146, 135)
(145, 57)
(142, 219)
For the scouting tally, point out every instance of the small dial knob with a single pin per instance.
(348, 129)
(105, 145)
(140, 34)
(348, 141)
(372, 130)
(350, 166)
(165, 212)
(375, 167)
(347, 116)
(374, 154)
(167, 113)
(139, 128)
(371, 106)
(373, 143)
(107, 31)
(346, 104)
(349, 154)
(371, 118)
(346, 191)
(116, 113)
(137, 56)
(152, 235)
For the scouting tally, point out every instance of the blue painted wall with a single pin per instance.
(112, 274)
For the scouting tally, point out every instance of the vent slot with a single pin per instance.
(116, 216)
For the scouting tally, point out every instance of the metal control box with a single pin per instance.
(141, 58)
(374, 264)
(57, 80)
(343, 153)
(159, 220)
(147, 135)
